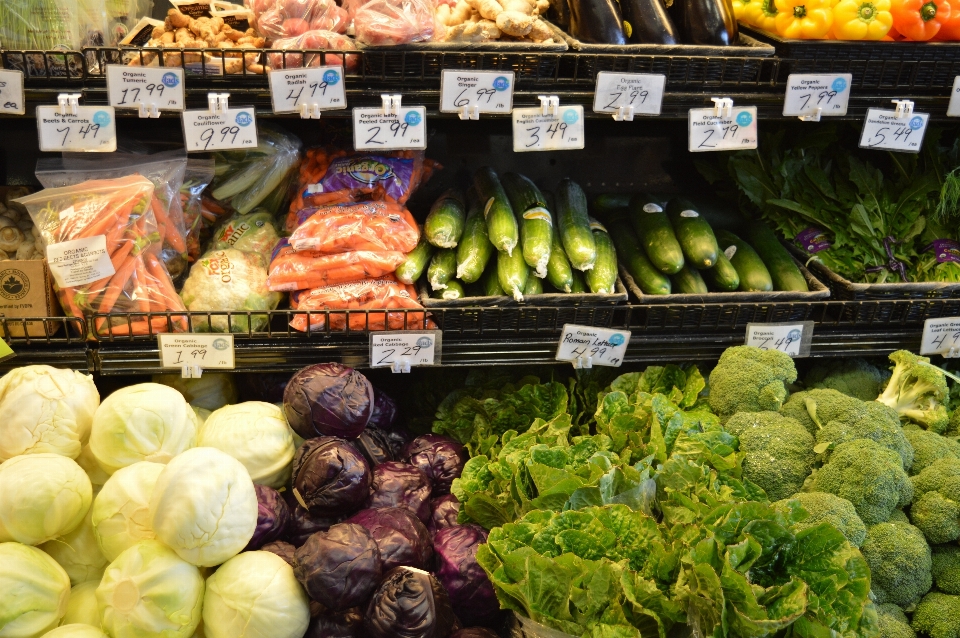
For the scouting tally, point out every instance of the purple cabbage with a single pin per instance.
(339, 568)
(470, 591)
(474, 632)
(328, 624)
(328, 399)
(400, 485)
(283, 549)
(375, 446)
(444, 511)
(384, 411)
(401, 537)
(330, 476)
(398, 437)
(410, 603)
(273, 517)
(440, 457)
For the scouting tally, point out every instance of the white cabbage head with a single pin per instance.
(143, 422)
(78, 552)
(42, 496)
(77, 630)
(44, 409)
(88, 462)
(257, 435)
(121, 511)
(211, 391)
(204, 506)
(255, 595)
(150, 592)
(33, 591)
(82, 606)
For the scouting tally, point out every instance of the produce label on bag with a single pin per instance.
(128, 87)
(941, 336)
(402, 349)
(489, 91)
(708, 131)
(953, 109)
(322, 86)
(204, 130)
(534, 131)
(593, 346)
(792, 338)
(79, 261)
(375, 130)
(11, 92)
(206, 351)
(807, 92)
(642, 91)
(92, 129)
(812, 240)
(885, 131)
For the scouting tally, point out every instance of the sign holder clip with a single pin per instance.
(391, 103)
(904, 108)
(403, 365)
(550, 104)
(624, 113)
(470, 112)
(722, 106)
(218, 102)
(148, 111)
(582, 363)
(68, 103)
(813, 117)
(192, 372)
(310, 111)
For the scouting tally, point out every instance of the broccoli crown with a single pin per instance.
(946, 568)
(893, 622)
(778, 454)
(743, 421)
(953, 429)
(941, 476)
(898, 516)
(868, 475)
(899, 560)
(929, 447)
(937, 516)
(917, 390)
(855, 377)
(822, 507)
(813, 408)
(749, 379)
(938, 616)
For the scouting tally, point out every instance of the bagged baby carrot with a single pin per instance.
(297, 270)
(383, 293)
(360, 226)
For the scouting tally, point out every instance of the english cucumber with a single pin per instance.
(444, 224)
(650, 280)
(689, 281)
(754, 276)
(453, 291)
(783, 269)
(602, 278)
(536, 222)
(573, 223)
(513, 273)
(534, 286)
(442, 268)
(559, 271)
(522, 192)
(501, 222)
(474, 249)
(723, 276)
(491, 281)
(694, 233)
(579, 286)
(412, 267)
(656, 234)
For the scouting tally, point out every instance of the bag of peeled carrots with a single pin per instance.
(301, 269)
(102, 243)
(384, 293)
(359, 226)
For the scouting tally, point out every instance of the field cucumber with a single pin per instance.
(442, 268)
(602, 278)
(412, 267)
(475, 249)
(501, 222)
(754, 276)
(689, 281)
(650, 280)
(573, 224)
(783, 269)
(607, 203)
(444, 224)
(694, 233)
(656, 234)
(512, 272)
(723, 276)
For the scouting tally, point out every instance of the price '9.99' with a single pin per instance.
(204, 130)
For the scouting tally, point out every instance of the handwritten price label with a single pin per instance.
(708, 131)
(884, 130)
(11, 92)
(129, 87)
(807, 92)
(400, 349)
(206, 351)
(375, 130)
(953, 109)
(534, 131)
(489, 91)
(644, 92)
(322, 85)
(92, 129)
(941, 336)
(205, 130)
(790, 338)
(600, 346)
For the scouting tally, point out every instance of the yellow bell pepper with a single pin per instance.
(804, 19)
(862, 19)
(740, 7)
(761, 14)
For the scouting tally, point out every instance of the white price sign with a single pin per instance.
(205, 130)
(708, 131)
(401, 349)
(129, 87)
(792, 338)
(11, 92)
(953, 109)
(92, 129)
(204, 351)
(292, 89)
(887, 131)
(586, 347)
(813, 94)
(644, 92)
(534, 131)
(489, 91)
(941, 336)
(375, 130)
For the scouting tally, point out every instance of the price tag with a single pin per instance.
(953, 109)
(641, 91)
(6, 351)
(11, 92)
(806, 93)
(131, 87)
(205, 130)
(708, 131)
(586, 347)
(401, 349)
(203, 351)
(941, 336)
(290, 89)
(793, 338)
(92, 129)
(884, 130)
(375, 130)
(489, 91)
(534, 131)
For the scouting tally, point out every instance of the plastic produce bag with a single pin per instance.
(298, 270)
(40, 24)
(197, 177)
(313, 40)
(257, 177)
(392, 22)
(281, 19)
(359, 226)
(375, 294)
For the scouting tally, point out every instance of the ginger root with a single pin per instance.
(489, 9)
(541, 32)
(515, 23)
(178, 20)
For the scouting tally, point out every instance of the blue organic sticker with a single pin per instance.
(424, 342)
(616, 339)
(244, 119)
(170, 79)
(412, 118)
(220, 344)
(570, 116)
(102, 118)
(744, 118)
(794, 335)
(839, 85)
(331, 77)
(501, 83)
(916, 123)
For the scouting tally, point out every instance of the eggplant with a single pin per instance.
(705, 21)
(647, 22)
(596, 21)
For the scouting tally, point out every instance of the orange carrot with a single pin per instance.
(163, 286)
(116, 285)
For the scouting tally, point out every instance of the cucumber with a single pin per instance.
(536, 223)
(689, 282)
(754, 276)
(579, 286)
(574, 225)
(650, 280)
(475, 249)
(491, 281)
(656, 234)
(694, 233)
(609, 202)
(444, 224)
(783, 269)
(442, 268)
(410, 270)
(602, 278)
(513, 273)
(723, 276)
(534, 286)
(453, 291)
(501, 222)
(522, 193)
(559, 271)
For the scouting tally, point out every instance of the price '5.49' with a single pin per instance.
(886, 130)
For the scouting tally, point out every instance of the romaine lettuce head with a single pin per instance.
(230, 280)
(143, 422)
(44, 409)
(42, 496)
(77, 630)
(82, 606)
(211, 392)
(121, 511)
(33, 590)
(204, 506)
(78, 553)
(257, 435)
(150, 592)
(255, 594)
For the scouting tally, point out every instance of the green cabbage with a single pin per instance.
(121, 511)
(212, 391)
(78, 553)
(82, 606)
(88, 463)
(42, 496)
(78, 630)
(33, 590)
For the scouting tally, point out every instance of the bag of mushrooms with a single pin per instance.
(18, 236)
